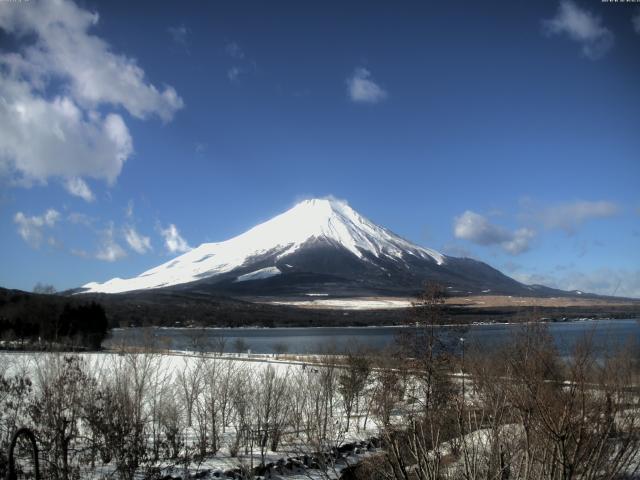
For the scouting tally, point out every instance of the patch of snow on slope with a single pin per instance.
(259, 274)
(326, 219)
(348, 303)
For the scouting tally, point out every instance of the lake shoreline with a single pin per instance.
(305, 340)
(476, 323)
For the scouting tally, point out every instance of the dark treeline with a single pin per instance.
(168, 308)
(50, 321)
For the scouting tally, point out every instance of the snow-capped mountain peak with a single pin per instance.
(316, 220)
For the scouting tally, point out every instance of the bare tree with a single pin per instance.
(324, 427)
(280, 348)
(298, 379)
(242, 396)
(189, 380)
(218, 344)
(121, 414)
(56, 412)
(229, 374)
(352, 381)
(272, 409)
(240, 345)
(419, 389)
(15, 394)
(210, 419)
(171, 427)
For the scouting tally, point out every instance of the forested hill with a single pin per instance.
(33, 320)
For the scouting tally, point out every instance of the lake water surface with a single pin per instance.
(607, 335)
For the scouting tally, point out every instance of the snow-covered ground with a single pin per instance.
(364, 303)
(169, 366)
(302, 379)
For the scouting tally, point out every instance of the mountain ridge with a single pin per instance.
(318, 246)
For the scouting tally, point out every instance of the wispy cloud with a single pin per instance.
(362, 89)
(137, 242)
(129, 209)
(602, 281)
(110, 250)
(234, 50)
(79, 188)
(581, 26)
(241, 64)
(173, 241)
(478, 229)
(200, 148)
(569, 216)
(233, 73)
(31, 228)
(61, 95)
(77, 218)
(179, 35)
(78, 252)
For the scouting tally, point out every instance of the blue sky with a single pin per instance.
(505, 131)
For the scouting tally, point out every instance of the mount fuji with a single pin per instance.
(318, 247)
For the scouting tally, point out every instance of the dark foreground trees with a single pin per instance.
(51, 321)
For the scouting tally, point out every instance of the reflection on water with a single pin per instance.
(607, 335)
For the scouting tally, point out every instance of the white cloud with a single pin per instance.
(95, 75)
(173, 240)
(43, 139)
(362, 89)
(109, 249)
(138, 243)
(31, 228)
(569, 216)
(635, 20)
(519, 242)
(78, 187)
(55, 92)
(581, 26)
(476, 228)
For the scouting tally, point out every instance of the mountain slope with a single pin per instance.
(319, 245)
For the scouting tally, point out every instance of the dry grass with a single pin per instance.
(490, 301)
